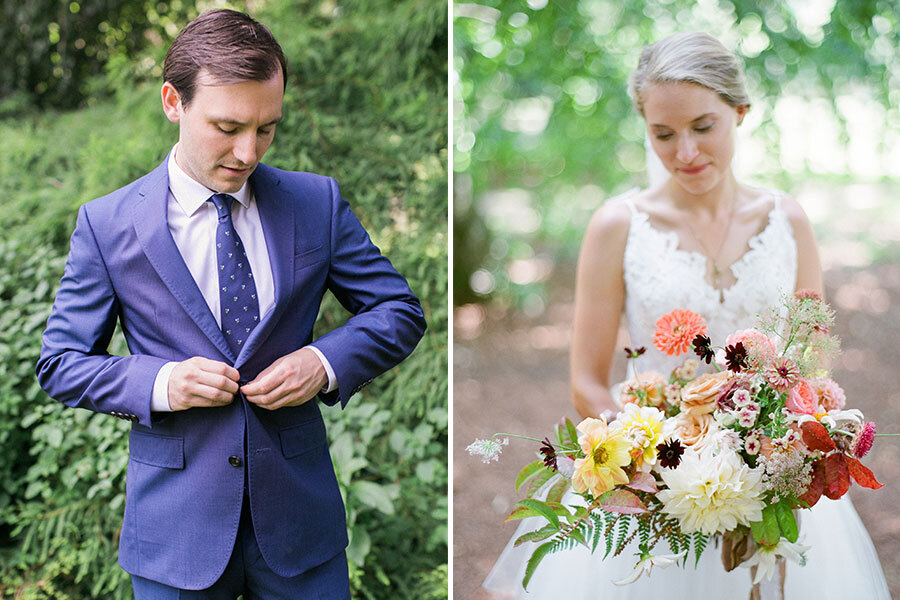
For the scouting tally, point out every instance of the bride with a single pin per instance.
(698, 240)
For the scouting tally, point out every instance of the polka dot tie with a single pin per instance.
(239, 306)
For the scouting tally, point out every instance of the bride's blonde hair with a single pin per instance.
(690, 57)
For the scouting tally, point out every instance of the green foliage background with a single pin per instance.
(366, 103)
(573, 58)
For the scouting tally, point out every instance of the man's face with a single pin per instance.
(226, 129)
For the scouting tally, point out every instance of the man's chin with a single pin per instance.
(228, 181)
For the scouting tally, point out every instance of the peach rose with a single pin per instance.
(699, 396)
(802, 399)
(694, 430)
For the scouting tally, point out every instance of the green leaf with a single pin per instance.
(558, 489)
(539, 553)
(529, 471)
(786, 521)
(766, 532)
(374, 495)
(536, 536)
(542, 509)
(573, 433)
(539, 480)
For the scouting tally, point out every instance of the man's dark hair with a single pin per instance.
(229, 45)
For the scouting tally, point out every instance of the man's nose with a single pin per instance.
(687, 149)
(245, 149)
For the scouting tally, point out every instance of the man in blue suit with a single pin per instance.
(215, 266)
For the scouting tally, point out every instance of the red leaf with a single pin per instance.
(644, 482)
(814, 492)
(816, 437)
(837, 475)
(622, 501)
(862, 475)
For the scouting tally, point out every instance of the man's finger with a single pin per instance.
(216, 367)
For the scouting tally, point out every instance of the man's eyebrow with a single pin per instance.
(700, 118)
(228, 121)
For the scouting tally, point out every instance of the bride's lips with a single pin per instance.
(693, 170)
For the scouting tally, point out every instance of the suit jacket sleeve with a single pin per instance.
(75, 366)
(388, 321)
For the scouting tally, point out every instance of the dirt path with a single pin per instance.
(510, 374)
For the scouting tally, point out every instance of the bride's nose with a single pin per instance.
(687, 149)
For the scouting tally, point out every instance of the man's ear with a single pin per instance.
(171, 101)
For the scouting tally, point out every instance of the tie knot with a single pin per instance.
(222, 203)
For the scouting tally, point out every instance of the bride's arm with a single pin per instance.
(809, 267)
(599, 298)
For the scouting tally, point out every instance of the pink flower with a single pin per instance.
(747, 417)
(759, 346)
(863, 442)
(808, 295)
(782, 374)
(830, 394)
(802, 399)
(676, 331)
(752, 445)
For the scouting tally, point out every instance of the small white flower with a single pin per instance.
(488, 450)
(766, 558)
(646, 564)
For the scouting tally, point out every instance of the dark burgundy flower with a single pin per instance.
(549, 453)
(736, 357)
(670, 453)
(703, 348)
(629, 353)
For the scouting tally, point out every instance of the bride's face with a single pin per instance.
(691, 129)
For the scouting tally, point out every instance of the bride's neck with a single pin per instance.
(721, 198)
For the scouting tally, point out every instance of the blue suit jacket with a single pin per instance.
(184, 496)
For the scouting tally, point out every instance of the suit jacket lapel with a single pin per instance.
(149, 214)
(277, 218)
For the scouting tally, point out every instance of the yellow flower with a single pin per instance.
(606, 452)
(643, 427)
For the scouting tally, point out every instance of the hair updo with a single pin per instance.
(690, 57)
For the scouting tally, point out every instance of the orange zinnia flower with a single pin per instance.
(676, 330)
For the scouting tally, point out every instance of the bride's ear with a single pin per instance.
(741, 112)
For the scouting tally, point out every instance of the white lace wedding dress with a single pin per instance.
(660, 277)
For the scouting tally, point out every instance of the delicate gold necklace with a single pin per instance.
(714, 259)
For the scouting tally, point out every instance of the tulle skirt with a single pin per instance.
(842, 563)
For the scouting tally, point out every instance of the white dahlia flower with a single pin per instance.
(712, 492)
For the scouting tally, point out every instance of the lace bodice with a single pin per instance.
(660, 277)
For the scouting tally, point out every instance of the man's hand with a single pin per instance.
(289, 381)
(200, 381)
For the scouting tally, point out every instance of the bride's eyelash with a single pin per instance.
(665, 136)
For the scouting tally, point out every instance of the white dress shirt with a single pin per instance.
(192, 222)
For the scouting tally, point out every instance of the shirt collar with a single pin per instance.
(190, 194)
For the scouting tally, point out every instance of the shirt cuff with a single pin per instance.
(159, 402)
(332, 378)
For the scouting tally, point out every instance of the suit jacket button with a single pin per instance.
(235, 461)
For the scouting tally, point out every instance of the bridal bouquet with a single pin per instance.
(729, 454)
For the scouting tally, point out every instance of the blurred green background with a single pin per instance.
(544, 130)
(79, 117)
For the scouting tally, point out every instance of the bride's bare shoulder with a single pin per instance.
(610, 222)
(762, 201)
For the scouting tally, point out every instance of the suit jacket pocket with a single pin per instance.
(300, 439)
(157, 450)
(310, 257)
